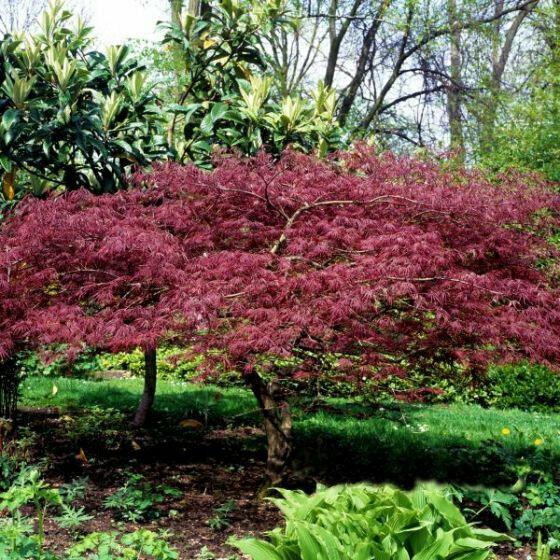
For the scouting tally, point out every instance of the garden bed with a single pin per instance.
(216, 464)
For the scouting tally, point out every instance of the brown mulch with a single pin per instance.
(205, 487)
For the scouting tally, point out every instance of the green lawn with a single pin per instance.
(347, 440)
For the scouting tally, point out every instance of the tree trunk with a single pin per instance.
(9, 392)
(454, 93)
(501, 52)
(148, 396)
(176, 7)
(9, 388)
(278, 427)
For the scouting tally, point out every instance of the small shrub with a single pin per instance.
(525, 386)
(54, 363)
(137, 499)
(540, 514)
(18, 541)
(29, 488)
(362, 522)
(129, 546)
(171, 363)
(99, 424)
(221, 519)
(9, 468)
(531, 511)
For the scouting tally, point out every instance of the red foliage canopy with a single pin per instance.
(383, 260)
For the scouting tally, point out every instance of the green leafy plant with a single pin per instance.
(221, 518)
(226, 96)
(496, 502)
(71, 517)
(72, 116)
(108, 423)
(205, 554)
(137, 499)
(543, 550)
(9, 469)
(172, 363)
(19, 542)
(524, 386)
(32, 363)
(141, 544)
(29, 488)
(530, 509)
(360, 522)
(540, 513)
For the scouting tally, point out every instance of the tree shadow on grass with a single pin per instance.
(349, 443)
(335, 458)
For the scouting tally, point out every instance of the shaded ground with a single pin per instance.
(206, 468)
(339, 440)
(219, 459)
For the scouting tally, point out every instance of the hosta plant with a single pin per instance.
(361, 522)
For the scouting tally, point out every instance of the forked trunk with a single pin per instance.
(148, 396)
(278, 427)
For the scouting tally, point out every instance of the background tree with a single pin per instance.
(19, 15)
(71, 116)
(364, 264)
(227, 97)
(525, 132)
(403, 71)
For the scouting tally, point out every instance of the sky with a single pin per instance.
(115, 21)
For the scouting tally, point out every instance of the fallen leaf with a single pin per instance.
(191, 424)
(81, 456)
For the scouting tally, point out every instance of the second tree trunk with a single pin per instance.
(148, 396)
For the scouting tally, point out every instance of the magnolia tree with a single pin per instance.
(379, 263)
(71, 116)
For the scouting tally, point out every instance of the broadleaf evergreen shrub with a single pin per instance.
(71, 116)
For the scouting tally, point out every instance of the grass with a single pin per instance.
(346, 440)
(175, 399)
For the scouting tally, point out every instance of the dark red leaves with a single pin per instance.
(377, 258)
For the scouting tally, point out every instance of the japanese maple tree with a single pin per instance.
(381, 262)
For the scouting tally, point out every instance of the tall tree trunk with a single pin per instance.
(148, 396)
(501, 52)
(278, 427)
(9, 392)
(454, 97)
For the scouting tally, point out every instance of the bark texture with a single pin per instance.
(148, 396)
(278, 427)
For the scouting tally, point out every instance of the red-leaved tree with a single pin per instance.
(381, 262)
